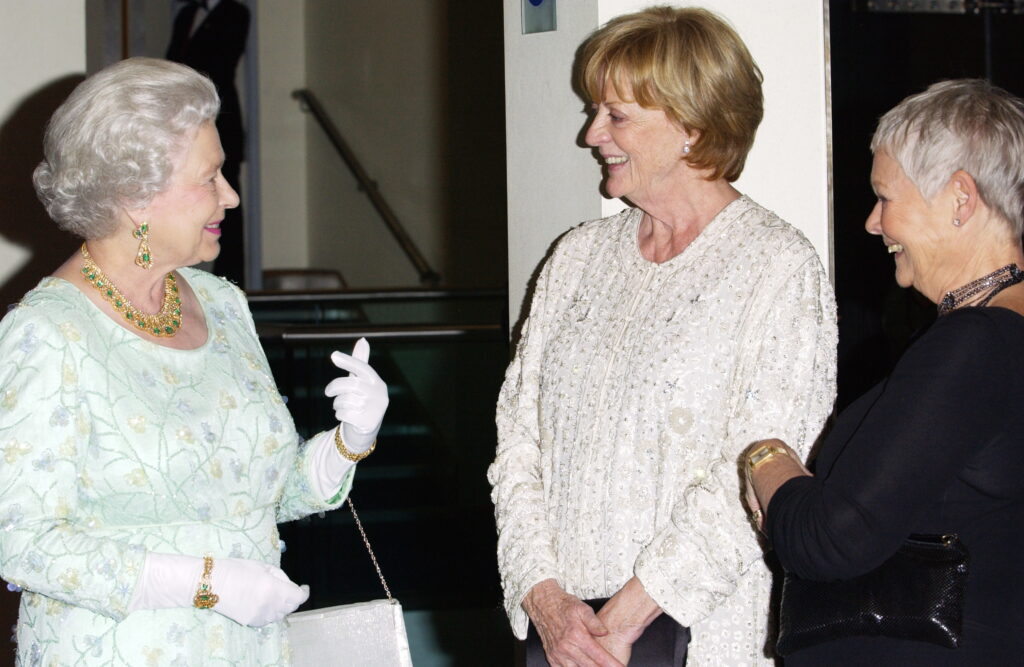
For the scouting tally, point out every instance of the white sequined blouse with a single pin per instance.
(634, 389)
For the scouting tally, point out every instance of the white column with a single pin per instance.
(552, 181)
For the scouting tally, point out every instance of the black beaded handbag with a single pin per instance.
(917, 594)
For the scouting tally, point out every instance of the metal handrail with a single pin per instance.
(379, 295)
(310, 103)
(324, 334)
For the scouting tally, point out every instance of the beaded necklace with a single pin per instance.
(979, 292)
(165, 323)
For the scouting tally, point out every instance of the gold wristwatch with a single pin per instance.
(762, 454)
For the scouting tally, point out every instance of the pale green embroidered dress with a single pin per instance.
(111, 446)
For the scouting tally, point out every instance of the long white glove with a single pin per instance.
(251, 592)
(360, 399)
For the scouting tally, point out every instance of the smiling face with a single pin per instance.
(642, 149)
(184, 218)
(917, 232)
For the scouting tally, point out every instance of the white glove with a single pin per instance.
(360, 399)
(251, 592)
(327, 466)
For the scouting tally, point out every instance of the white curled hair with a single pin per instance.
(966, 124)
(110, 144)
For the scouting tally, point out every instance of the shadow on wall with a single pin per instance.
(23, 220)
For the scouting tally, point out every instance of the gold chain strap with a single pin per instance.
(362, 532)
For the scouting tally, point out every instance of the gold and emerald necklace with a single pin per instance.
(165, 323)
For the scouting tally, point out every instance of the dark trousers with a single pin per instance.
(663, 643)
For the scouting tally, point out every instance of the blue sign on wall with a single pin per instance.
(538, 16)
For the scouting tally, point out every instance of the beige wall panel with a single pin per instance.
(283, 126)
(40, 67)
(378, 69)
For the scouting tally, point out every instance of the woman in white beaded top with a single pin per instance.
(147, 455)
(661, 342)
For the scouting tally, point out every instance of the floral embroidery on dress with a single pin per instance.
(14, 450)
(10, 399)
(70, 332)
(146, 448)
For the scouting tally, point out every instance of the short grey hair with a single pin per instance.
(966, 124)
(110, 144)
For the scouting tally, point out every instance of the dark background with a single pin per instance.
(879, 58)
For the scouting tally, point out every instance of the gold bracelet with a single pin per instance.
(346, 452)
(205, 598)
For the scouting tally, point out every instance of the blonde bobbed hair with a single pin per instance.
(689, 63)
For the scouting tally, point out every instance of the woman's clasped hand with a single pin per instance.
(569, 629)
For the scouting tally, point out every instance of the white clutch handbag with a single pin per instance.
(363, 634)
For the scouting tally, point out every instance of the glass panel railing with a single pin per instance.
(383, 307)
(422, 496)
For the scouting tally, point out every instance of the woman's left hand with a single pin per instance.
(360, 399)
(620, 648)
(762, 483)
(626, 615)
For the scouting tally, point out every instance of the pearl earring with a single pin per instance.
(956, 222)
(686, 147)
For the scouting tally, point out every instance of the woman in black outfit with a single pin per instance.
(937, 447)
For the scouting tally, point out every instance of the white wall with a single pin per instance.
(786, 170)
(32, 59)
(378, 69)
(552, 181)
(283, 125)
(32, 56)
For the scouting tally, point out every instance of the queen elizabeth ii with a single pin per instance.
(147, 454)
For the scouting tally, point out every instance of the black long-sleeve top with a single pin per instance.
(937, 447)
